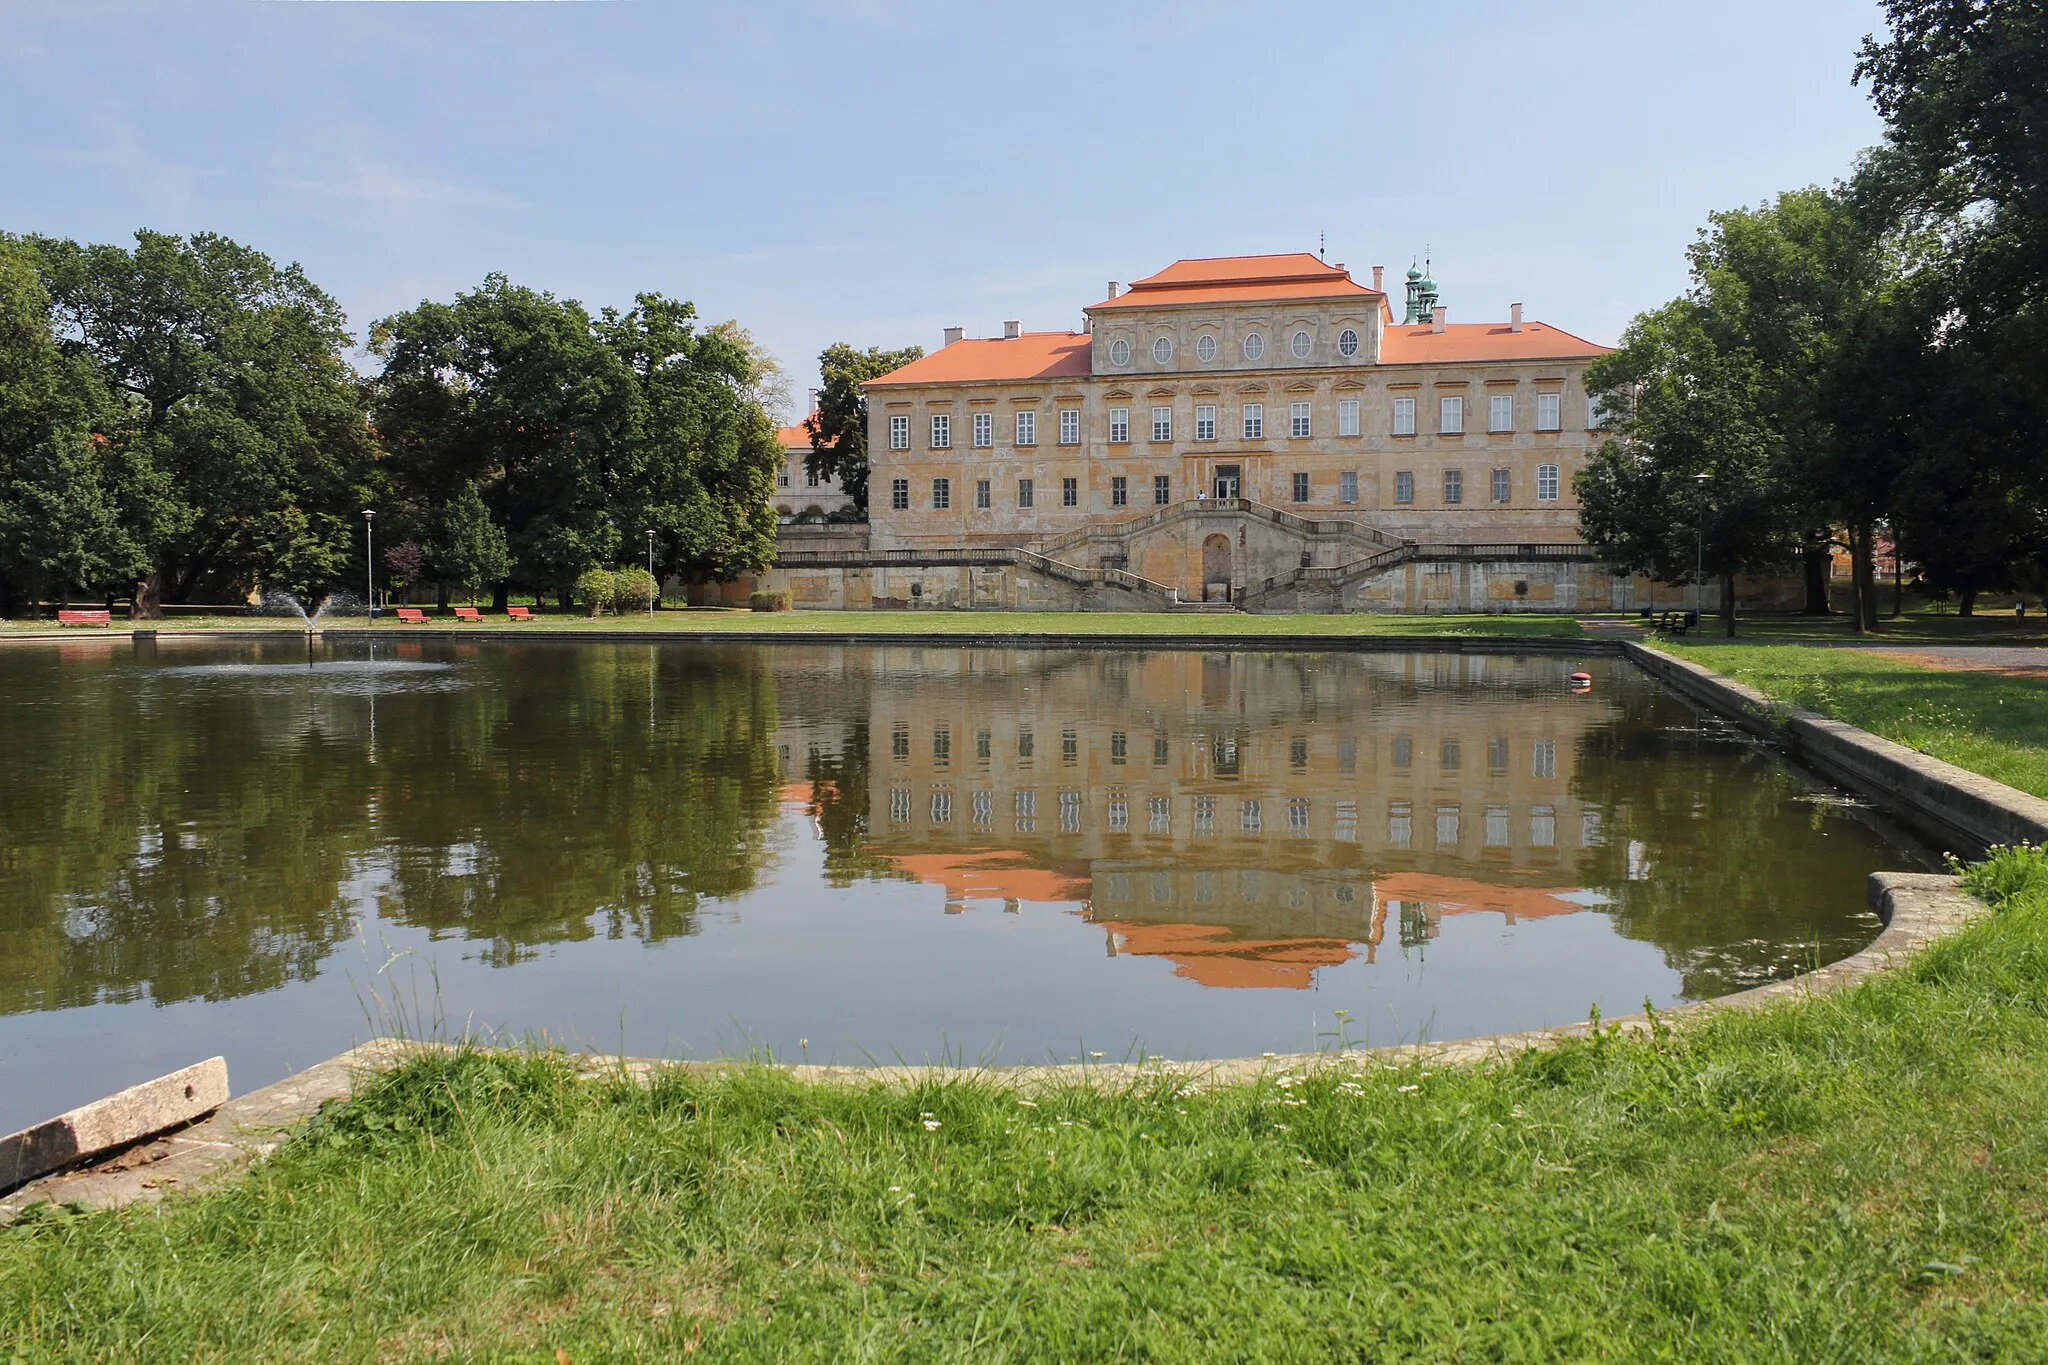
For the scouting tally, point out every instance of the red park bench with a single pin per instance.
(84, 617)
(521, 614)
(411, 616)
(468, 614)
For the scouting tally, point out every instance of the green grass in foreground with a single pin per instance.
(1915, 627)
(935, 622)
(1990, 723)
(1858, 1177)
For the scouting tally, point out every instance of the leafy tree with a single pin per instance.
(696, 454)
(839, 429)
(1690, 472)
(240, 401)
(472, 550)
(60, 478)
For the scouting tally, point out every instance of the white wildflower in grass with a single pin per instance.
(1029, 1104)
(1096, 1055)
(931, 1125)
(1407, 1089)
(1287, 1082)
(895, 1189)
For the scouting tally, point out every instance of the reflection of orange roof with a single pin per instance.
(1460, 895)
(797, 794)
(1463, 341)
(1211, 956)
(987, 875)
(1035, 355)
(1222, 279)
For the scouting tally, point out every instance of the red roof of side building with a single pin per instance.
(1035, 355)
(1225, 279)
(1420, 344)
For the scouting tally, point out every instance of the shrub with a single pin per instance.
(769, 601)
(2007, 873)
(632, 590)
(595, 589)
(810, 516)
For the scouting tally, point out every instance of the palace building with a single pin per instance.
(1256, 433)
(1250, 382)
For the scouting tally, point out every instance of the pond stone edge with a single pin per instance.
(1917, 908)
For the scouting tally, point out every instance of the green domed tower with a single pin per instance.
(1414, 294)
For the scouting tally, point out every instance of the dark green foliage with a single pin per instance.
(839, 429)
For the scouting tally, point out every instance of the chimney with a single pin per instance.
(810, 401)
(1012, 329)
(1436, 318)
(1379, 279)
(1113, 288)
(953, 334)
(1514, 317)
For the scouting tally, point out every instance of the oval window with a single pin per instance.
(1162, 350)
(1303, 344)
(1254, 345)
(1347, 342)
(1206, 348)
(1119, 352)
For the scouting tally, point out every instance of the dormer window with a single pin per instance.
(1347, 343)
(1119, 352)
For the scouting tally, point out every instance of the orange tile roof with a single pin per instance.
(991, 874)
(1461, 895)
(1459, 341)
(1238, 279)
(1212, 955)
(797, 437)
(1035, 355)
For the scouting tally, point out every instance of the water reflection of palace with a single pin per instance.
(1249, 816)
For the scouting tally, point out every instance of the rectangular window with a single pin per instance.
(1404, 416)
(981, 494)
(942, 494)
(1159, 815)
(1205, 815)
(1543, 826)
(1070, 492)
(1596, 420)
(1500, 412)
(1501, 484)
(1254, 421)
(1162, 424)
(942, 431)
(1024, 492)
(1301, 488)
(1027, 811)
(1496, 826)
(1070, 426)
(984, 430)
(899, 433)
(1162, 489)
(1119, 813)
(1450, 416)
(1070, 812)
(1027, 428)
(899, 742)
(1454, 487)
(942, 808)
(1347, 486)
(1119, 494)
(782, 480)
(1205, 422)
(810, 478)
(1546, 483)
(899, 494)
(1248, 817)
(1404, 486)
(1543, 758)
(1298, 420)
(1346, 827)
(1119, 425)
(1297, 816)
(1400, 824)
(984, 807)
(899, 804)
(1546, 412)
(1347, 416)
(942, 747)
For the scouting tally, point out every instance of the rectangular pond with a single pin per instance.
(272, 849)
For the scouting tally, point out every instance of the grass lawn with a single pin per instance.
(1990, 723)
(1915, 627)
(937, 622)
(1859, 1177)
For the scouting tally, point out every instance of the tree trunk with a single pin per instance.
(148, 602)
(1728, 605)
(501, 592)
(441, 594)
(1816, 561)
(1966, 602)
(1866, 574)
(1862, 582)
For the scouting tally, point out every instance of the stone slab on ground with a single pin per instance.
(116, 1121)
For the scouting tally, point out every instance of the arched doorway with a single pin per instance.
(1216, 569)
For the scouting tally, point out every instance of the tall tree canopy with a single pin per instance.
(579, 434)
(244, 425)
(839, 428)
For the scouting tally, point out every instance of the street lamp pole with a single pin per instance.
(1699, 551)
(655, 591)
(369, 566)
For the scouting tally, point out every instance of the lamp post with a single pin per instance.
(369, 566)
(1699, 550)
(655, 590)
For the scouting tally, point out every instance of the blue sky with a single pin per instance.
(873, 172)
